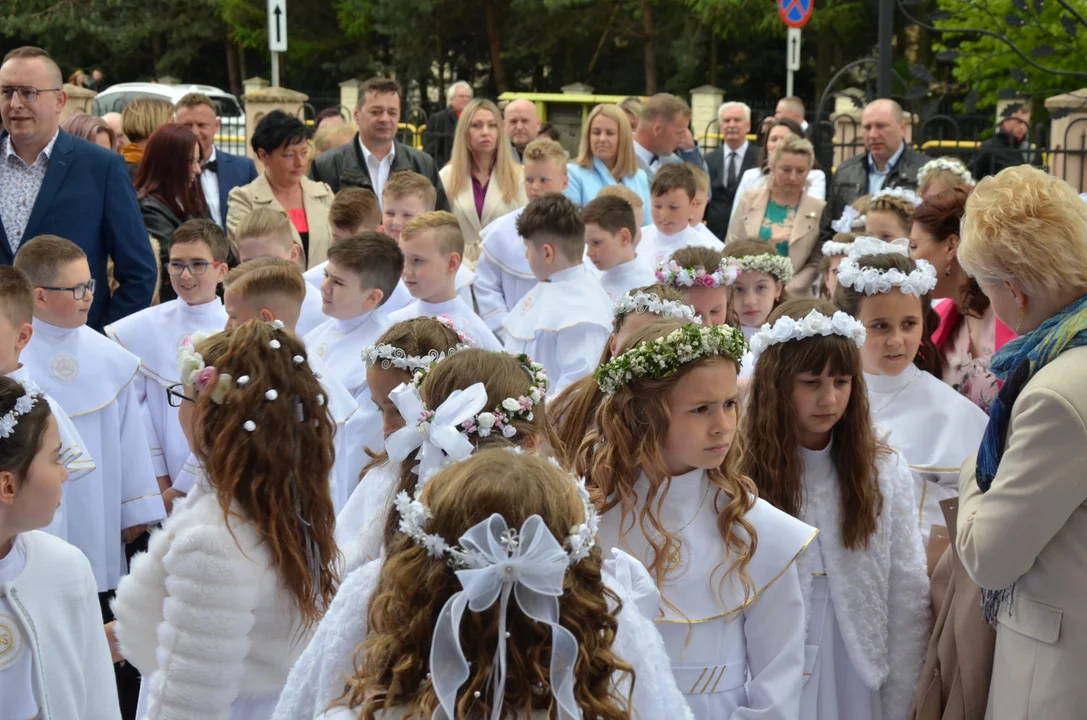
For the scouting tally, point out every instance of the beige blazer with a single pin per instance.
(494, 207)
(316, 200)
(1030, 529)
(803, 242)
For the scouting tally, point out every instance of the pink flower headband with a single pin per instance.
(672, 273)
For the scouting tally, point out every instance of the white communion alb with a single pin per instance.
(657, 247)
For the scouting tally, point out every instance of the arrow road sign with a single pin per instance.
(793, 48)
(277, 25)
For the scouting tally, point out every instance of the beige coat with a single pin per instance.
(803, 242)
(316, 200)
(1030, 529)
(494, 207)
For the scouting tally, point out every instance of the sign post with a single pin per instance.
(795, 14)
(277, 34)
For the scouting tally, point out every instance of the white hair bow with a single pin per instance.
(530, 564)
(437, 434)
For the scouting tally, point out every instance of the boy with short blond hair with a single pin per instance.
(673, 192)
(503, 276)
(563, 322)
(95, 381)
(408, 195)
(198, 263)
(353, 210)
(610, 232)
(433, 244)
(16, 331)
(701, 200)
(267, 233)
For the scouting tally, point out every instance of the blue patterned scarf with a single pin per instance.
(1016, 363)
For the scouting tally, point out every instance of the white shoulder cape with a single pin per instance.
(576, 299)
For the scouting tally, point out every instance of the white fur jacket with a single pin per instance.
(881, 594)
(205, 615)
(319, 676)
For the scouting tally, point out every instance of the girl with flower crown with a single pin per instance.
(661, 461)
(54, 658)
(401, 350)
(811, 449)
(889, 212)
(941, 174)
(214, 614)
(572, 411)
(473, 399)
(758, 289)
(933, 426)
(702, 277)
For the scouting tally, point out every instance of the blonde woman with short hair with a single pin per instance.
(481, 180)
(783, 214)
(606, 157)
(139, 119)
(1022, 520)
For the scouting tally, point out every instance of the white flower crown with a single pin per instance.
(897, 192)
(674, 274)
(833, 249)
(643, 302)
(872, 281)
(786, 329)
(850, 220)
(950, 165)
(23, 405)
(777, 265)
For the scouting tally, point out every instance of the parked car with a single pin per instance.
(231, 137)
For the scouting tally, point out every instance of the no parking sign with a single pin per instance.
(795, 13)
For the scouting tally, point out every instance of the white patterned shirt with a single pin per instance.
(19, 186)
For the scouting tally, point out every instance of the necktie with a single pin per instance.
(212, 165)
(731, 170)
(653, 159)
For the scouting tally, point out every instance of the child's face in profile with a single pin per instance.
(606, 250)
(342, 293)
(38, 497)
(59, 307)
(703, 408)
(698, 207)
(754, 295)
(12, 341)
(885, 225)
(397, 211)
(710, 303)
(831, 277)
(194, 273)
(382, 382)
(429, 274)
(671, 211)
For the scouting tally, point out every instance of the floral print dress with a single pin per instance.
(969, 373)
(777, 226)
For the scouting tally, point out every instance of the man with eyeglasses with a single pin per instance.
(53, 183)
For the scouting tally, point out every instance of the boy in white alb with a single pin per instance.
(503, 276)
(95, 380)
(432, 244)
(16, 316)
(564, 322)
(198, 253)
(362, 271)
(673, 190)
(610, 230)
(267, 233)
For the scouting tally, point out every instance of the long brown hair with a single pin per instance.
(771, 450)
(941, 217)
(572, 411)
(849, 301)
(503, 377)
(625, 441)
(274, 477)
(391, 664)
(164, 172)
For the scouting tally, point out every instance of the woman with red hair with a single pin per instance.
(168, 187)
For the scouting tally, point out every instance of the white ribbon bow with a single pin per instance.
(531, 564)
(438, 438)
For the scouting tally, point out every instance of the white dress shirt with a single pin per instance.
(740, 153)
(379, 169)
(209, 183)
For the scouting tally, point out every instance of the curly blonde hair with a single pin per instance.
(626, 440)
(275, 477)
(391, 664)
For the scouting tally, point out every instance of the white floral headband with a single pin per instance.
(390, 356)
(786, 329)
(901, 193)
(833, 249)
(494, 562)
(851, 220)
(23, 405)
(947, 165)
(873, 281)
(674, 274)
(664, 356)
(777, 265)
(643, 302)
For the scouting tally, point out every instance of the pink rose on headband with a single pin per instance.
(204, 377)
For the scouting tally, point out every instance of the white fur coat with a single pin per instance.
(206, 611)
(881, 594)
(319, 675)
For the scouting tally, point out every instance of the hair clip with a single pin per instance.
(298, 359)
(249, 425)
(277, 324)
(271, 394)
(274, 345)
(321, 400)
(243, 379)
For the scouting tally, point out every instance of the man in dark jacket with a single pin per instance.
(727, 164)
(374, 153)
(442, 125)
(888, 162)
(1008, 147)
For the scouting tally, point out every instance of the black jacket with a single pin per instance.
(720, 205)
(1002, 151)
(345, 167)
(851, 182)
(438, 136)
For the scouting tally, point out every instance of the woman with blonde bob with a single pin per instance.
(1022, 520)
(606, 157)
(783, 214)
(482, 179)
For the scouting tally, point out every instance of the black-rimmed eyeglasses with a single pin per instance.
(196, 267)
(28, 94)
(175, 395)
(78, 291)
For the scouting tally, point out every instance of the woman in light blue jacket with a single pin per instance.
(606, 158)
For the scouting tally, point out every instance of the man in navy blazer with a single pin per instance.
(222, 171)
(54, 183)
